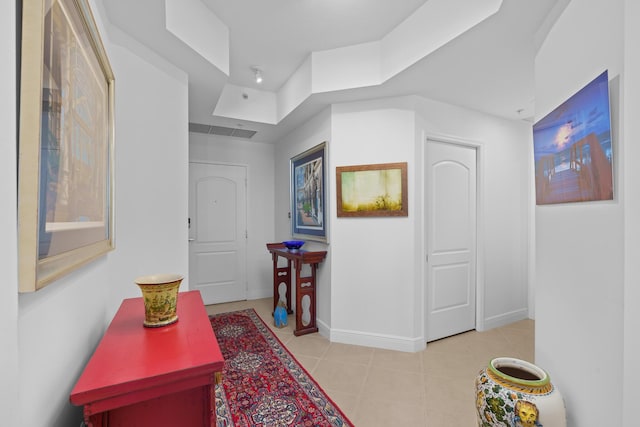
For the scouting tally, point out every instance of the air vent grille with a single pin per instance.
(221, 130)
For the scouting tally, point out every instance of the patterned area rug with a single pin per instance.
(263, 385)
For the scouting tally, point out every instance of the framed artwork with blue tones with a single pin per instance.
(308, 219)
(572, 148)
(65, 176)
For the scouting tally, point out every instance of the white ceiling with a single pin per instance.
(489, 68)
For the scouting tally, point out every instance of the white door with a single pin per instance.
(450, 175)
(218, 232)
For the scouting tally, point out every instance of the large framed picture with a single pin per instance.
(65, 178)
(372, 190)
(308, 194)
(573, 149)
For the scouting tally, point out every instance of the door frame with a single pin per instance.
(246, 214)
(479, 147)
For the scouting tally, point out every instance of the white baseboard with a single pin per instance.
(388, 342)
(323, 329)
(504, 319)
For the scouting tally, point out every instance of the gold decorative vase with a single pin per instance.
(160, 295)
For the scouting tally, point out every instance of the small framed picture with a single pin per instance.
(372, 190)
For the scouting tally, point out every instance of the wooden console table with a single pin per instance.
(152, 376)
(304, 285)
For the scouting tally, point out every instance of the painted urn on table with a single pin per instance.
(160, 295)
(515, 393)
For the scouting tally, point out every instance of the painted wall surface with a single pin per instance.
(631, 126)
(310, 134)
(59, 327)
(151, 172)
(372, 258)
(258, 158)
(9, 365)
(580, 246)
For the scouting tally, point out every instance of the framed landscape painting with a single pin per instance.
(573, 150)
(308, 218)
(372, 190)
(65, 190)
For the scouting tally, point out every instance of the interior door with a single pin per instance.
(450, 185)
(217, 231)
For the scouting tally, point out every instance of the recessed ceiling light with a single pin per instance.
(258, 74)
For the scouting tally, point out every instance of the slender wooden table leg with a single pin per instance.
(289, 287)
(281, 275)
(305, 286)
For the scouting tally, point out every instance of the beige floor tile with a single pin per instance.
(523, 332)
(397, 360)
(451, 365)
(517, 336)
(451, 401)
(308, 363)
(395, 386)
(521, 340)
(377, 413)
(343, 377)
(487, 345)
(526, 324)
(465, 418)
(349, 353)
(308, 345)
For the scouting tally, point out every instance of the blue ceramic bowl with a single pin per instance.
(293, 244)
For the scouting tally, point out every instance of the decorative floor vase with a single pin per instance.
(160, 295)
(515, 393)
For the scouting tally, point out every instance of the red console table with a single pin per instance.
(304, 285)
(152, 376)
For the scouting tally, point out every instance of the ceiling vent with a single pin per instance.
(221, 130)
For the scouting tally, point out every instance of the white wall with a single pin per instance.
(59, 326)
(631, 111)
(9, 365)
(580, 246)
(258, 158)
(310, 134)
(151, 171)
(373, 281)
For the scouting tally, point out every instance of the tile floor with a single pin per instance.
(382, 388)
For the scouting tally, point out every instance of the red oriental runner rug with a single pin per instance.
(263, 385)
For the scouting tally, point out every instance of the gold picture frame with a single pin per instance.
(66, 133)
(372, 190)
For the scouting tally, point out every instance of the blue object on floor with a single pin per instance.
(280, 315)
